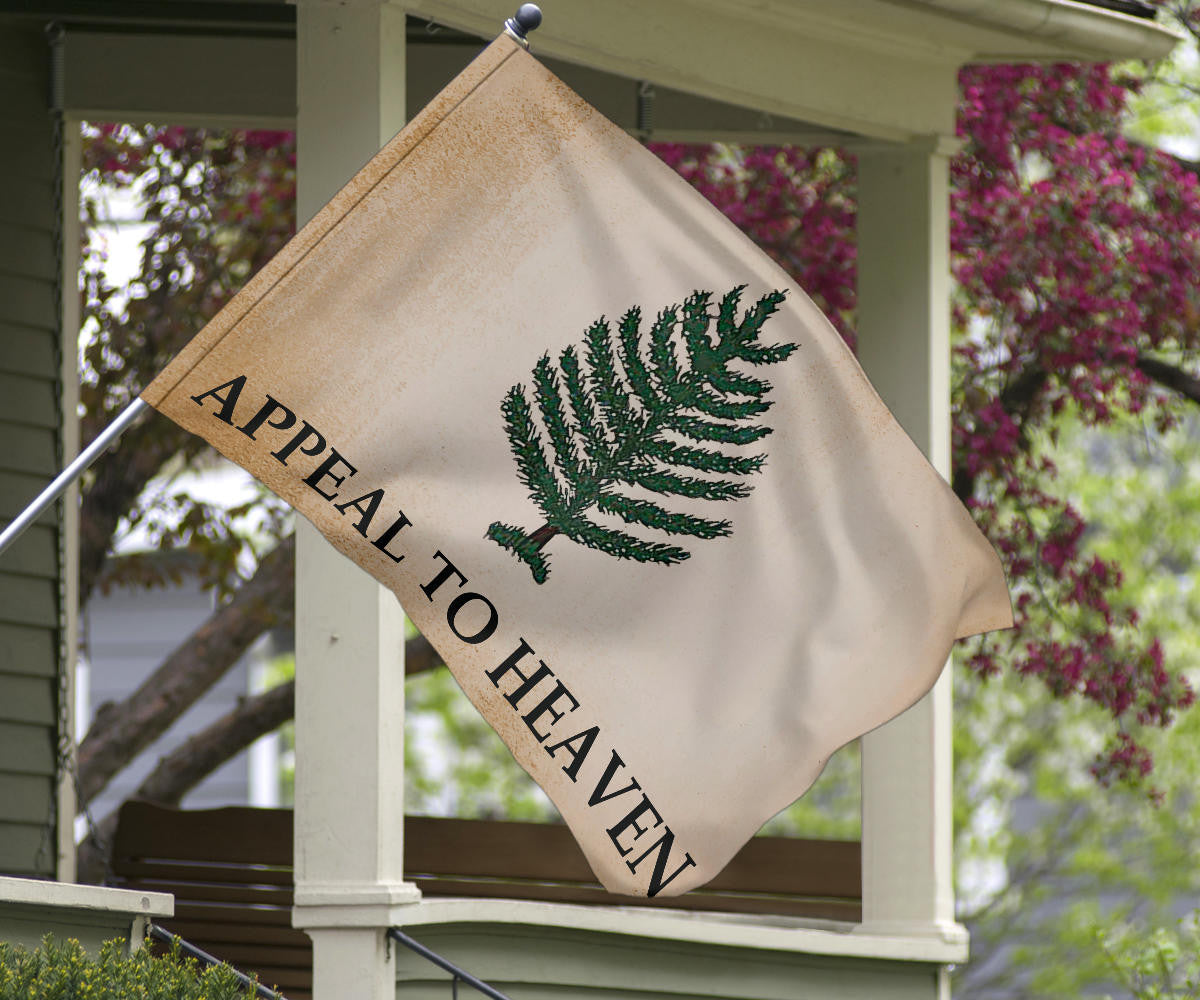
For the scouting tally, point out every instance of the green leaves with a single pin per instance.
(661, 412)
(64, 971)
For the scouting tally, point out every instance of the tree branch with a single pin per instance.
(1016, 398)
(191, 762)
(1019, 394)
(419, 656)
(195, 759)
(117, 480)
(1170, 377)
(184, 768)
(121, 731)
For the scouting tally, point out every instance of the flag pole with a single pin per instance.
(517, 27)
(85, 458)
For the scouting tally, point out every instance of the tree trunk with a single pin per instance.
(419, 656)
(116, 481)
(1170, 376)
(121, 731)
(202, 753)
(184, 768)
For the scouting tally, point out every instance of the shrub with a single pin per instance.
(64, 971)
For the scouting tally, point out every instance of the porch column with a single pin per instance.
(72, 161)
(904, 345)
(349, 629)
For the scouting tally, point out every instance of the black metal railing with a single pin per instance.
(202, 956)
(457, 974)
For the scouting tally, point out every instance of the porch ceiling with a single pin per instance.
(882, 69)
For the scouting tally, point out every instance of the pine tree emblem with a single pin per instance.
(650, 424)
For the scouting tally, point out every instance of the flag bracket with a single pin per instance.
(525, 20)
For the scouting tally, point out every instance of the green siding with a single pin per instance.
(24, 399)
(17, 489)
(21, 85)
(29, 449)
(30, 420)
(28, 301)
(35, 553)
(27, 748)
(27, 699)
(26, 601)
(30, 207)
(32, 160)
(539, 963)
(32, 257)
(27, 650)
(26, 798)
(23, 849)
(26, 352)
(18, 55)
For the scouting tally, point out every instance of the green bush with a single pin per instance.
(64, 971)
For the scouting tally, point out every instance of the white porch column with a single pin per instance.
(72, 160)
(349, 630)
(904, 345)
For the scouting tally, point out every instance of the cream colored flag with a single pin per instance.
(615, 465)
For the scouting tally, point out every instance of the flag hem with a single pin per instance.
(358, 188)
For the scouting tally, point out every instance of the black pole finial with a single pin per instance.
(527, 17)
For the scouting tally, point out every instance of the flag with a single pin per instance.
(615, 465)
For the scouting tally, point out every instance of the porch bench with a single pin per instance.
(231, 872)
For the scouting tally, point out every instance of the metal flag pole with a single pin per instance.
(525, 20)
(85, 458)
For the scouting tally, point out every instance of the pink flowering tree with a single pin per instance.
(1075, 257)
(220, 206)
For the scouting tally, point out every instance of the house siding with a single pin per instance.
(554, 963)
(125, 634)
(30, 453)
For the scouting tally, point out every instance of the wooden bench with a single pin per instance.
(231, 873)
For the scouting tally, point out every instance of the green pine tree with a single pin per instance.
(646, 413)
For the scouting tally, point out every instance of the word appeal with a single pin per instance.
(541, 701)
